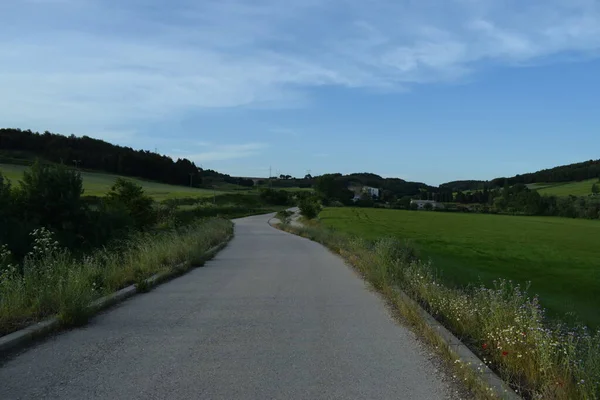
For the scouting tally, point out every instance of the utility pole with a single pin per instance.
(270, 169)
(191, 176)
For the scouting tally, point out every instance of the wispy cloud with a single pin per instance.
(90, 65)
(225, 152)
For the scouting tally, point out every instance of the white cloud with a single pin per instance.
(103, 66)
(225, 152)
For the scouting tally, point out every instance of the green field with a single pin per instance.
(98, 184)
(561, 257)
(582, 188)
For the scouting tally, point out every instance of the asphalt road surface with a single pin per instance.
(273, 316)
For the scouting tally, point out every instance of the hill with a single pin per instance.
(582, 188)
(20, 147)
(98, 184)
(572, 179)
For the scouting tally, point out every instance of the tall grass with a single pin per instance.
(503, 324)
(52, 281)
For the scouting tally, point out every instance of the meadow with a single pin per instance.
(582, 188)
(560, 257)
(98, 184)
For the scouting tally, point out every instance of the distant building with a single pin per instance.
(370, 191)
(421, 204)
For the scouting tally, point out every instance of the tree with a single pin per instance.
(330, 188)
(50, 196)
(131, 196)
(309, 207)
(595, 189)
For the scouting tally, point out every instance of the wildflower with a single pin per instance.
(484, 346)
(504, 353)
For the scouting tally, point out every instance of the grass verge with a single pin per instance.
(54, 282)
(505, 326)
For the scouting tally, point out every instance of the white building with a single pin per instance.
(371, 191)
(421, 204)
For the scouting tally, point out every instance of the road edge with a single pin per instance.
(461, 351)
(22, 338)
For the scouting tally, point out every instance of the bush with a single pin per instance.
(50, 196)
(309, 208)
(275, 197)
(128, 194)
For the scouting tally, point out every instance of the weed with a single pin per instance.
(54, 282)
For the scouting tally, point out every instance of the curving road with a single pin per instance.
(273, 316)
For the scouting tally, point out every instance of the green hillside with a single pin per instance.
(582, 188)
(97, 184)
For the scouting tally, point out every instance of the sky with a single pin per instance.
(422, 90)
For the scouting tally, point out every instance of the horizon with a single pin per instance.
(427, 92)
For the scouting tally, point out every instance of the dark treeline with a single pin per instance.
(456, 186)
(94, 154)
(565, 173)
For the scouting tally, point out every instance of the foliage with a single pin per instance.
(50, 196)
(309, 207)
(502, 323)
(329, 188)
(97, 184)
(131, 196)
(565, 173)
(284, 216)
(54, 281)
(99, 155)
(275, 197)
(557, 255)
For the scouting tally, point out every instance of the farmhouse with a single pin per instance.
(371, 191)
(421, 204)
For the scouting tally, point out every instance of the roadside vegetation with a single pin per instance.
(502, 323)
(53, 281)
(59, 250)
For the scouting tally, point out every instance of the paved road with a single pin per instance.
(273, 316)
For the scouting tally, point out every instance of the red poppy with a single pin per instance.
(484, 346)
(504, 353)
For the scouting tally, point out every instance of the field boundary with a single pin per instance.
(23, 338)
(460, 352)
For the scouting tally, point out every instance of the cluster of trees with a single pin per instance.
(463, 186)
(95, 154)
(519, 199)
(335, 187)
(565, 173)
(51, 197)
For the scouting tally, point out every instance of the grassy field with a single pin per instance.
(582, 188)
(97, 184)
(559, 256)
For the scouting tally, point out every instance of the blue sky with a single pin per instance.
(422, 90)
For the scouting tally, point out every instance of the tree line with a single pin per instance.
(20, 146)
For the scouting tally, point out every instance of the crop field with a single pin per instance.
(559, 256)
(582, 188)
(98, 184)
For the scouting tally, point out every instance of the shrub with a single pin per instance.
(309, 208)
(131, 195)
(275, 197)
